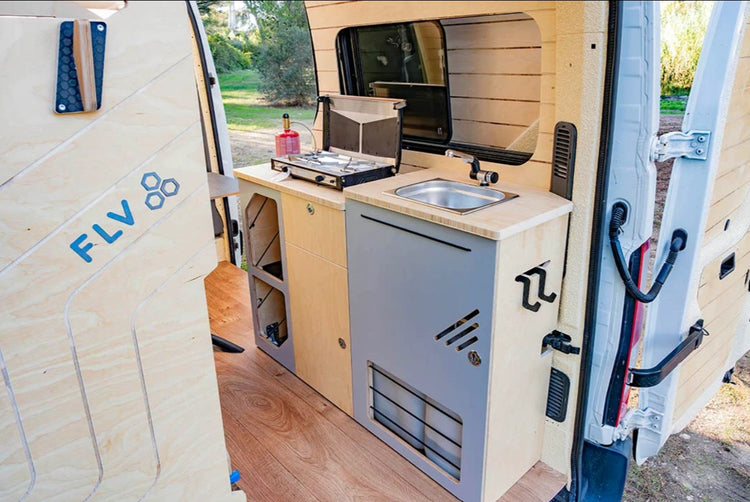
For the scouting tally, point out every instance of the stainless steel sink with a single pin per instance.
(458, 197)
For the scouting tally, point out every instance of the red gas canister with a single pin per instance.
(287, 142)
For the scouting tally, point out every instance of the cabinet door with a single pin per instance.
(315, 227)
(320, 320)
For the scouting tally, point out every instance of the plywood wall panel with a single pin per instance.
(364, 13)
(484, 133)
(495, 61)
(326, 60)
(516, 87)
(522, 113)
(515, 34)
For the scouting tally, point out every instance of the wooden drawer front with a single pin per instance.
(315, 228)
(320, 319)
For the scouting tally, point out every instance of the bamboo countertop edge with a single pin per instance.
(497, 222)
(263, 175)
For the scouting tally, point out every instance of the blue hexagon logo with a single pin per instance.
(170, 187)
(150, 181)
(154, 200)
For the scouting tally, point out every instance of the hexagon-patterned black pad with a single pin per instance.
(68, 95)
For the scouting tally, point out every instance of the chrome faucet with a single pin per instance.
(484, 177)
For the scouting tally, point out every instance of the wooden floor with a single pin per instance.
(291, 444)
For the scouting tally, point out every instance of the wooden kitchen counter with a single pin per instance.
(262, 174)
(532, 207)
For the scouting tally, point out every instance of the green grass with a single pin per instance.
(673, 107)
(245, 108)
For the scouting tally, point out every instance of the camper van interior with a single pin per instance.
(425, 307)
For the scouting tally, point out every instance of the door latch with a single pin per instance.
(689, 145)
(560, 341)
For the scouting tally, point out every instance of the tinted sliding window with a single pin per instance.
(473, 84)
(405, 61)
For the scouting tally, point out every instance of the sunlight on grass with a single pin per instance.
(672, 107)
(245, 108)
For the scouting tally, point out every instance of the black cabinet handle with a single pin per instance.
(525, 278)
(549, 298)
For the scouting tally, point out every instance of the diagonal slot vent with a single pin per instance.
(462, 334)
(457, 324)
(430, 429)
(468, 342)
(563, 159)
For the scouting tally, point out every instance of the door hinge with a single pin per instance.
(639, 419)
(560, 341)
(689, 145)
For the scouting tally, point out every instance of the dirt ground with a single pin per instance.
(710, 459)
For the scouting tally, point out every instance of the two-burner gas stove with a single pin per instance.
(332, 169)
(361, 143)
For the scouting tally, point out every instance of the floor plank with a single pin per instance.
(291, 444)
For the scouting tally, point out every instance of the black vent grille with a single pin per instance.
(557, 397)
(432, 430)
(563, 159)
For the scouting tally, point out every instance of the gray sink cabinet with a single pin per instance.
(448, 367)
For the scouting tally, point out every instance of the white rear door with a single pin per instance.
(710, 200)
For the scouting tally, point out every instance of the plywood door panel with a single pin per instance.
(729, 181)
(182, 389)
(18, 477)
(140, 121)
(742, 77)
(57, 273)
(722, 302)
(318, 295)
(105, 341)
(130, 64)
(320, 232)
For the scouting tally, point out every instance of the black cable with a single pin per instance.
(679, 241)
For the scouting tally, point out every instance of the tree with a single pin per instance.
(683, 28)
(284, 58)
(231, 51)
